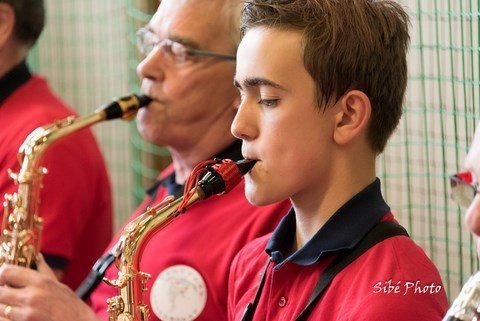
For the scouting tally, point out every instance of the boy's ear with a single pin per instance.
(354, 110)
(7, 22)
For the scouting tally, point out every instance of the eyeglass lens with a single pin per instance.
(147, 41)
(463, 192)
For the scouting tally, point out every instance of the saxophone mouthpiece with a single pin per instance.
(125, 107)
(144, 100)
(245, 165)
(224, 175)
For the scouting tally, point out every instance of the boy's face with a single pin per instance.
(472, 164)
(278, 119)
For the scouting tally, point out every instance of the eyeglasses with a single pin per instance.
(175, 51)
(463, 190)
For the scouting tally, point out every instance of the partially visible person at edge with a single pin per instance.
(75, 201)
(188, 71)
(466, 191)
(322, 84)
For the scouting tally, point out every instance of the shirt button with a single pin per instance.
(282, 302)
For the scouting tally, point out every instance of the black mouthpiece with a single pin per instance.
(224, 176)
(245, 165)
(124, 107)
(144, 100)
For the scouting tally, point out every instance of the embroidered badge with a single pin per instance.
(178, 294)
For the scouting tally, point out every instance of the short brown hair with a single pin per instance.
(29, 19)
(348, 44)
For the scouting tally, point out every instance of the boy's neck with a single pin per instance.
(311, 218)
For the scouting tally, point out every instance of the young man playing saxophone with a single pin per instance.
(322, 85)
(188, 71)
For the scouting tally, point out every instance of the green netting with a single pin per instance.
(89, 54)
(83, 53)
(441, 111)
(148, 159)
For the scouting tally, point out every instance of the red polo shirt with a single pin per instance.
(190, 258)
(394, 280)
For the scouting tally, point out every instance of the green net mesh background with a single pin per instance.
(88, 53)
(441, 111)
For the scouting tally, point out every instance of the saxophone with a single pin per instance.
(218, 179)
(466, 306)
(21, 230)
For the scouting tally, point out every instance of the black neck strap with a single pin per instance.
(252, 306)
(378, 233)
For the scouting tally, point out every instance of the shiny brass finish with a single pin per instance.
(22, 224)
(129, 304)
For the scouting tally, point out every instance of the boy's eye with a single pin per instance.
(268, 102)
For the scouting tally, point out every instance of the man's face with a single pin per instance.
(187, 98)
(472, 164)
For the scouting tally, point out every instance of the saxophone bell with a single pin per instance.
(466, 306)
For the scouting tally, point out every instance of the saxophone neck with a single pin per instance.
(219, 176)
(124, 107)
(21, 230)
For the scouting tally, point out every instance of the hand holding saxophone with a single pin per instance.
(48, 299)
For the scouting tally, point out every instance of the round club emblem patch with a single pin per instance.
(178, 294)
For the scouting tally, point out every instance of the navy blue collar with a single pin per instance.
(347, 226)
(13, 79)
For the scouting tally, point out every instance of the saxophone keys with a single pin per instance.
(144, 312)
(144, 277)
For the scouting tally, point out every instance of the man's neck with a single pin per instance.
(185, 162)
(11, 55)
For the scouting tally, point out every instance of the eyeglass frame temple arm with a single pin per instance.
(195, 52)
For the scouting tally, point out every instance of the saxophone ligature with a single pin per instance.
(466, 306)
(219, 177)
(22, 225)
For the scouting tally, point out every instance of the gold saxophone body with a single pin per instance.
(22, 226)
(129, 304)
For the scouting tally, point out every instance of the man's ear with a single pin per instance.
(7, 22)
(354, 110)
